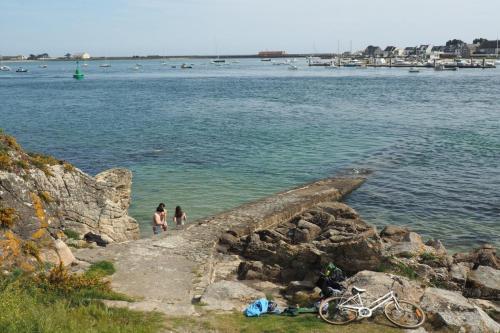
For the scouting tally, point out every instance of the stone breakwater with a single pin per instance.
(169, 272)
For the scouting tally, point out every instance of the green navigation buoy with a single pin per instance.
(78, 73)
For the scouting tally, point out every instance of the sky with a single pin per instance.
(177, 27)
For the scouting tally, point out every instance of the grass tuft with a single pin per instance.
(72, 234)
(101, 269)
(8, 217)
(428, 256)
(43, 162)
(46, 197)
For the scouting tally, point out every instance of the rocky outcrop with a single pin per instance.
(40, 197)
(294, 251)
(330, 231)
(450, 310)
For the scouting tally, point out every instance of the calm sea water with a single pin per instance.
(211, 138)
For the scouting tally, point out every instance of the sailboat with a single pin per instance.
(497, 61)
(3, 68)
(218, 60)
(105, 64)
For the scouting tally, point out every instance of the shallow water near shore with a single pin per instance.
(211, 138)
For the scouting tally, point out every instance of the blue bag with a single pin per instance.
(257, 308)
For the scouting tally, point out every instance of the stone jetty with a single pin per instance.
(171, 272)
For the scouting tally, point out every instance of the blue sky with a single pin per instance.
(134, 27)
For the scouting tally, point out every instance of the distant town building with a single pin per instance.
(488, 47)
(468, 50)
(373, 51)
(424, 51)
(81, 56)
(390, 51)
(410, 51)
(436, 52)
(271, 54)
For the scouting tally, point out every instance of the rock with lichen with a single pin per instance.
(42, 197)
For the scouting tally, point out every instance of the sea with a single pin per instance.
(210, 138)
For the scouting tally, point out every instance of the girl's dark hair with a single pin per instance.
(178, 211)
(160, 208)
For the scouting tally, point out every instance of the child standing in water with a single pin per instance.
(160, 219)
(180, 217)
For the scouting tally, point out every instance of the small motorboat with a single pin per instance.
(414, 70)
(293, 67)
(173, 66)
(265, 59)
(5, 68)
(186, 66)
(442, 67)
(43, 66)
(21, 70)
(106, 65)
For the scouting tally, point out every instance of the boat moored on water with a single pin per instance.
(443, 67)
(186, 66)
(317, 61)
(21, 70)
(2, 67)
(43, 66)
(293, 67)
(265, 59)
(414, 70)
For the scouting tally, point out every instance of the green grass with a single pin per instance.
(101, 269)
(60, 302)
(428, 256)
(71, 234)
(237, 322)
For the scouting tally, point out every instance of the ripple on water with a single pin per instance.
(211, 139)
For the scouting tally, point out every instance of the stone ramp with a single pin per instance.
(165, 273)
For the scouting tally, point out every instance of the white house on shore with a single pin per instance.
(81, 56)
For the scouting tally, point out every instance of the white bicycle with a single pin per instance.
(343, 309)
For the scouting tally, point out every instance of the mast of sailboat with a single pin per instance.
(496, 50)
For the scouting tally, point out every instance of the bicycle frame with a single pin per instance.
(366, 311)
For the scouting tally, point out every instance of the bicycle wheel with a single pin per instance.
(408, 315)
(330, 312)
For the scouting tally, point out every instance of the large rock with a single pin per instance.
(45, 196)
(229, 295)
(394, 233)
(484, 282)
(378, 284)
(484, 256)
(450, 310)
(328, 232)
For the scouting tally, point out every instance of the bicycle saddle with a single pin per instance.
(356, 290)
